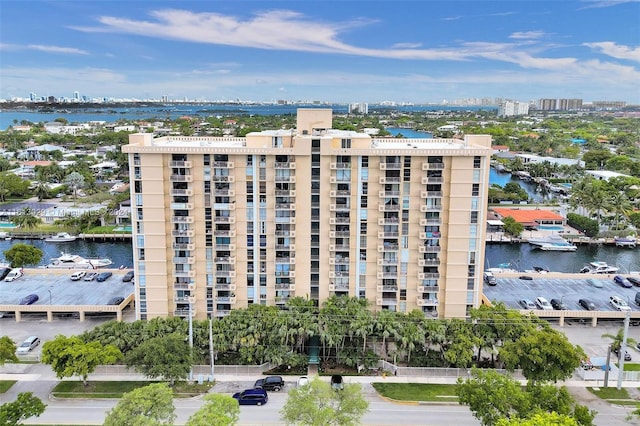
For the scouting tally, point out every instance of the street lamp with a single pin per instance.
(49, 290)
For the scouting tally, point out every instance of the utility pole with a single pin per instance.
(607, 367)
(211, 355)
(623, 349)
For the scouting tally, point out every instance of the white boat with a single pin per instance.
(74, 261)
(552, 243)
(629, 241)
(598, 268)
(61, 237)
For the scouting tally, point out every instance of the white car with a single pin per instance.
(619, 304)
(28, 345)
(543, 304)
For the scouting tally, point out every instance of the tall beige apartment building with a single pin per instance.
(221, 223)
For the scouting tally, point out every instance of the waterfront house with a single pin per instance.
(537, 219)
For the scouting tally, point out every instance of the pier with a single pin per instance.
(88, 237)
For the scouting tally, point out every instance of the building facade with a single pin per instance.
(221, 223)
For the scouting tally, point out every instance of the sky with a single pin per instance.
(315, 50)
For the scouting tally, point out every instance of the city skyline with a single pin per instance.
(353, 51)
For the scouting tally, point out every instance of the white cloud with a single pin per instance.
(44, 48)
(617, 51)
(406, 45)
(605, 3)
(527, 35)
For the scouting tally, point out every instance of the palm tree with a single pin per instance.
(41, 190)
(618, 338)
(621, 207)
(26, 219)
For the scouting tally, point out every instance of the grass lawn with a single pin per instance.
(417, 391)
(631, 367)
(73, 389)
(5, 385)
(609, 393)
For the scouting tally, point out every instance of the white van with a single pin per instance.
(28, 345)
(78, 275)
(13, 275)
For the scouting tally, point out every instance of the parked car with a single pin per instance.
(115, 300)
(28, 345)
(634, 280)
(127, 277)
(13, 275)
(587, 304)
(558, 304)
(526, 304)
(303, 380)
(4, 272)
(622, 281)
(78, 275)
(103, 276)
(490, 279)
(251, 397)
(619, 304)
(270, 383)
(627, 355)
(543, 304)
(29, 299)
(90, 276)
(526, 277)
(595, 283)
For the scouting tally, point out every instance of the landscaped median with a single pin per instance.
(75, 389)
(417, 393)
(615, 396)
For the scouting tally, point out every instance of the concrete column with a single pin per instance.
(561, 320)
(18, 316)
(594, 322)
(81, 316)
(119, 315)
(49, 316)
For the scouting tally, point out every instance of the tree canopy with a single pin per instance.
(165, 357)
(218, 409)
(25, 406)
(7, 350)
(21, 254)
(150, 405)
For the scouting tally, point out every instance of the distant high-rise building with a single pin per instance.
(76, 96)
(512, 108)
(609, 104)
(222, 223)
(32, 97)
(359, 108)
(569, 104)
(548, 104)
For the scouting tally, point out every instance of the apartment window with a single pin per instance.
(406, 175)
(476, 162)
(363, 228)
(471, 283)
(474, 217)
(276, 142)
(206, 159)
(407, 162)
(138, 199)
(472, 258)
(365, 161)
(346, 143)
(137, 174)
(315, 143)
(249, 160)
(475, 189)
(363, 202)
(471, 271)
(139, 214)
(365, 188)
(136, 159)
(137, 187)
(140, 254)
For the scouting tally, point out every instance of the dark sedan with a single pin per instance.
(558, 304)
(587, 304)
(634, 280)
(103, 276)
(622, 281)
(29, 299)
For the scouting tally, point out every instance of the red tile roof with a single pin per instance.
(527, 216)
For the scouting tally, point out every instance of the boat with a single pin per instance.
(598, 267)
(74, 261)
(552, 243)
(61, 237)
(629, 241)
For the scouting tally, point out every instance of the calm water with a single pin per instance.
(174, 111)
(408, 133)
(121, 253)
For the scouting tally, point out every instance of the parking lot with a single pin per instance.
(569, 290)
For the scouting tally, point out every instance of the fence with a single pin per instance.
(198, 370)
(464, 373)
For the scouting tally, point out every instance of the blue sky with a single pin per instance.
(334, 51)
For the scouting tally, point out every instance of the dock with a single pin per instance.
(88, 237)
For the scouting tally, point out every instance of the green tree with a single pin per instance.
(543, 354)
(70, 356)
(21, 254)
(24, 407)
(150, 405)
(512, 227)
(317, 404)
(75, 181)
(617, 339)
(166, 357)
(540, 419)
(218, 409)
(41, 190)
(7, 350)
(11, 184)
(26, 219)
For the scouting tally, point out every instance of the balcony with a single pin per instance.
(427, 302)
(225, 192)
(387, 275)
(339, 261)
(388, 234)
(285, 165)
(287, 247)
(338, 274)
(386, 301)
(387, 262)
(182, 192)
(339, 207)
(287, 287)
(430, 207)
(339, 220)
(429, 235)
(338, 287)
(224, 178)
(388, 194)
(291, 234)
(339, 193)
(222, 164)
(387, 247)
(339, 234)
(224, 233)
(229, 247)
(339, 247)
(388, 221)
(428, 289)
(184, 260)
(185, 286)
(184, 274)
(390, 166)
(182, 219)
(180, 164)
(336, 166)
(429, 249)
(225, 299)
(432, 166)
(181, 206)
(428, 262)
(388, 207)
(225, 273)
(219, 313)
(183, 233)
(184, 312)
(285, 193)
(181, 178)
(285, 206)
(384, 180)
(430, 179)
(225, 260)
(290, 179)
(336, 179)
(431, 221)
(224, 219)
(281, 300)
(383, 288)
(286, 219)
(428, 275)
(182, 246)
(227, 287)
